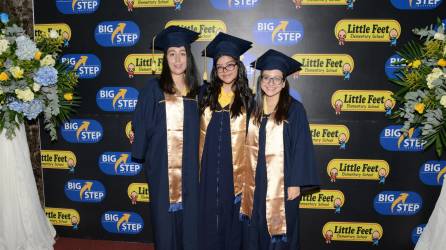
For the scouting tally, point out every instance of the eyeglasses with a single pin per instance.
(229, 67)
(275, 80)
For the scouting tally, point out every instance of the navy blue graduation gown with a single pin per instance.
(299, 170)
(172, 230)
(219, 224)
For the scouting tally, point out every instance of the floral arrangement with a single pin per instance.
(32, 80)
(422, 81)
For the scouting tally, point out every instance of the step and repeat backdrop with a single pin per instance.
(378, 190)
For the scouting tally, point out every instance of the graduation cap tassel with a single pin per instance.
(254, 84)
(205, 74)
(153, 56)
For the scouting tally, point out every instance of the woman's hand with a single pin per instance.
(293, 193)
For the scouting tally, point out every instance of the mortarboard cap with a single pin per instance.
(174, 36)
(273, 59)
(226, 45)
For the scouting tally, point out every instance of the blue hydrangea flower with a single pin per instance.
(33, 109)
(16, 106)
(46, 76)
(4, 18)
(26, 48)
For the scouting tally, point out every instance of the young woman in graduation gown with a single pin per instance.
(279, 158)
(166, 128)
(224, 103)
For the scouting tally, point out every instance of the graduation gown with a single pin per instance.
(219, 206)
(299, 170)
(175, 230)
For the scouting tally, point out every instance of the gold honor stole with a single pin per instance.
(174, 127)
(238, 130)
(275, 164)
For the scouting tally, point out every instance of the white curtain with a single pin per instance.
(434, 234)
(23, 223)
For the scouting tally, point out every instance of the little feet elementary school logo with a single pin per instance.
(352, 231)
(324, 199)
(48, 29)
(349, 3)
(330, 134)
(362, 101)
(326, 64)
(138, 192)
(66, 217)
(364, 30)
(61, 160)
(131, 4)
(208, 29)
(143, 64)
(358, 169)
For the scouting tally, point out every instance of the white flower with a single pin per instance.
(16, 72)
(54, 34)
(4, 45)
(443, 101)
(48, 60)
(436, 73)
(26, 95)
(36, 87)
(439, 36)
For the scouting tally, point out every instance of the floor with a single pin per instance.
(84, 244)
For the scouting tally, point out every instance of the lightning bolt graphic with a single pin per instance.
(73, 4)
(121, 94)
(83, 127)
(402, 198)
(119, 29)
(125, 217)
(122, 159)
(87, 186)
(81, 62)
(281, 27)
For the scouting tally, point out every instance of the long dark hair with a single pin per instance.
(166, 82)
(281, 110)
(242, 93)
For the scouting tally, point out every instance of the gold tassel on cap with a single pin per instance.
(205, 74)
(153, 56)
(254, 83)
(265, 106)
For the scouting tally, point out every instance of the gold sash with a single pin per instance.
(238, 130)
(174, 126)
(275, 164)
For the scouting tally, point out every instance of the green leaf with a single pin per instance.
(438, 146)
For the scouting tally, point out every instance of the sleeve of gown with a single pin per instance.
(302, 171)
(141, 122)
